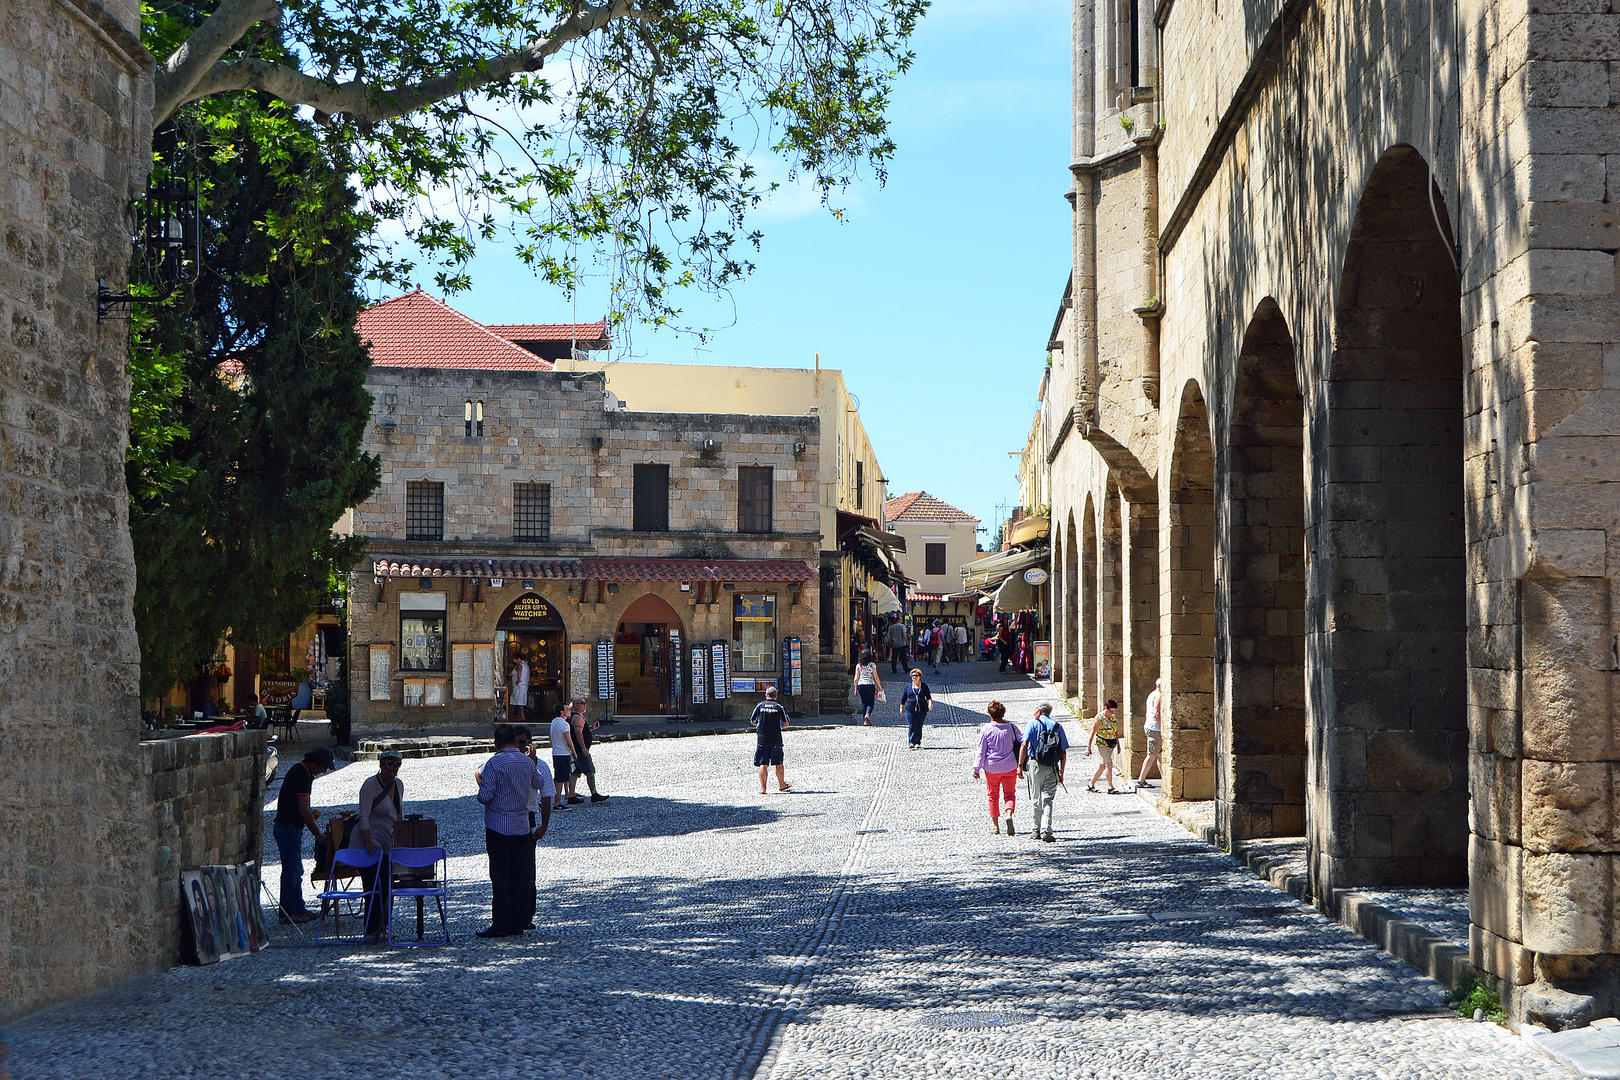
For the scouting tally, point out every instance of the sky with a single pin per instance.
(935, 294)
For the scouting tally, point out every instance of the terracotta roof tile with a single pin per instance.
(788, 570)
(585, 332)
(420, 331)
(921, 506)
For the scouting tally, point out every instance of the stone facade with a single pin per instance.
(1340, 349)
(553, 428)
(78, 888)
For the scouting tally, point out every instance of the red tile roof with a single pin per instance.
(419, 331)
(921, 506)
(935, 598)
(599, 569)
(585, 332)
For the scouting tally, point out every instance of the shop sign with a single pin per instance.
(1036, 576)
(742, 686)
(278, 689)
(530, 609)
(1043, 659)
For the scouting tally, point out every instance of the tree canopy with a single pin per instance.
(631, 129)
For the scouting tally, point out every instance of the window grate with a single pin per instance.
(754, 498)
(531, 513)
(424, 510)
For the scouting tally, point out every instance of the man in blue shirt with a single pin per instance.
(1042, 756)
(505, 785)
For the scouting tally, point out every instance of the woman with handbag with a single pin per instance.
(1105, 734)
(867, 684)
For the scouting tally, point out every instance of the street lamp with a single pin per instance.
(168, 239)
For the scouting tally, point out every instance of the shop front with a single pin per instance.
(646, 659)
(531, 629)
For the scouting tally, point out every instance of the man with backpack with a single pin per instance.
(1042, 757)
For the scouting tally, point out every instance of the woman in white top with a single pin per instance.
(867, 684)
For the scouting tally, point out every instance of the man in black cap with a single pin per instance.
(293, 814)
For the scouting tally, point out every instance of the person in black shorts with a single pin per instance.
(769, 719)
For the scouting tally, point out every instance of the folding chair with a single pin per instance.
(435, 883)
(346, 866)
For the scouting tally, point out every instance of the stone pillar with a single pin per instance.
(1187, 605)
(77, 862)
(1140, 601)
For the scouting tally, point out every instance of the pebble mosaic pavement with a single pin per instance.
(866, 924)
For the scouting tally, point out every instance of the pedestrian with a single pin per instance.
(867, 684)
(916, 702)
(962, 653)
(1153, 731)
(769, 720)
(936, 641)
(293, 816)
(517, 705)
(508, 780)
(1004, 643)
(381, 804)
(585, 764)
(898, 637)
(1105, 734)
(562, 755)
(1042, 757)
(998, 760)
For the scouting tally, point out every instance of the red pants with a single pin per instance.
(1007, 784)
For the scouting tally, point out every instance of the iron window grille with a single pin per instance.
(531, 513)
(424, 510)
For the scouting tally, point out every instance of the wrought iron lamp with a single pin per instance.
(168, 241)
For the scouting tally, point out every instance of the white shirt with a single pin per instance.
(961, 635)
(1152, 721)
(520, 683)
(560, 746)
(865, 674)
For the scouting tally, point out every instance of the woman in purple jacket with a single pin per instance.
(998, 760)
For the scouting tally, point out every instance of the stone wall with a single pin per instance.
(78, 895)
(207, 807)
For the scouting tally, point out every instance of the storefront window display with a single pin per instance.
(421, 642)
(753, 632)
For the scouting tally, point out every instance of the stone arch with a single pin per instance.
(1188, 607)
(1089, 620)
(1070, 607)
(1261, 752)
(1110, 594)
(1389, 594)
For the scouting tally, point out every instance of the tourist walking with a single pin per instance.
(898, 639)
(562, 755)
(1105, 734)
(916, 703)
(1004, 643)
(1153, 731)
(867, 684)
(769, 720)
(585, 764)
(293, 816)
(936, 645)
(1042, 757)
(963, 654)
(507, 781)
(998, 760)
(517, 705)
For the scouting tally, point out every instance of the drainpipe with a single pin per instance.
(1084, 78)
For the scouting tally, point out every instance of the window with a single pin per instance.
(424, 510)
(933, 558)
(531, 513)
(860, 484)
(421, 640)
(754, 498)
(474, 411)
(753, 632)
(652, 499)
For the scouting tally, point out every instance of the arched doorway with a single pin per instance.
(1071, 611)
(1261, 782)
(531, 629)
(1188, 613)
(1089, 621)
(643, 659)
(1389, 615)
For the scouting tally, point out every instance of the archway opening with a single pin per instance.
(1189, 607)
(1110, 598)
(1263, 749)
(531, 629)
(1089, 621)
(1071, 612)
(1393, 588)
(644, 660)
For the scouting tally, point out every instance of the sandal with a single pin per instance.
(1092, 788)
(785, 787)
(1113, 791)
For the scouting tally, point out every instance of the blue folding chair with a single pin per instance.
(346, 866)
(416, 884)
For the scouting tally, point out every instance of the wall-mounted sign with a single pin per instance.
(530, 612)
(381, 669)
(1036, 576)
(280, 689)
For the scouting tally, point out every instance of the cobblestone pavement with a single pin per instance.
(866, 924)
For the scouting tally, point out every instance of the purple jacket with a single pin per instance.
(998, 748)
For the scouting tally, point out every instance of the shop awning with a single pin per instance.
(873, 548)
(988, 573)
(883, 598)
(626, 570)
(1015, 594)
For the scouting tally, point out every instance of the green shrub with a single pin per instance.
(1474, 993)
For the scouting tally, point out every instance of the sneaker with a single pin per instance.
(600, 798)
(573, 799)
(491, 933)
(1048, 837)
(1010, 831)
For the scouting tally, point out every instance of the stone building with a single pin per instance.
(939, 539)
(659, 559)
(1332, 439)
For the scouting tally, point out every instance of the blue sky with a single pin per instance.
(935, 294)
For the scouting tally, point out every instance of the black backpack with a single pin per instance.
(1047, 746)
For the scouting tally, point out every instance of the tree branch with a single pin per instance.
(367, 102)
(188, 64)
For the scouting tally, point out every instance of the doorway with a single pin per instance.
(644, 661)
(531, 629)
